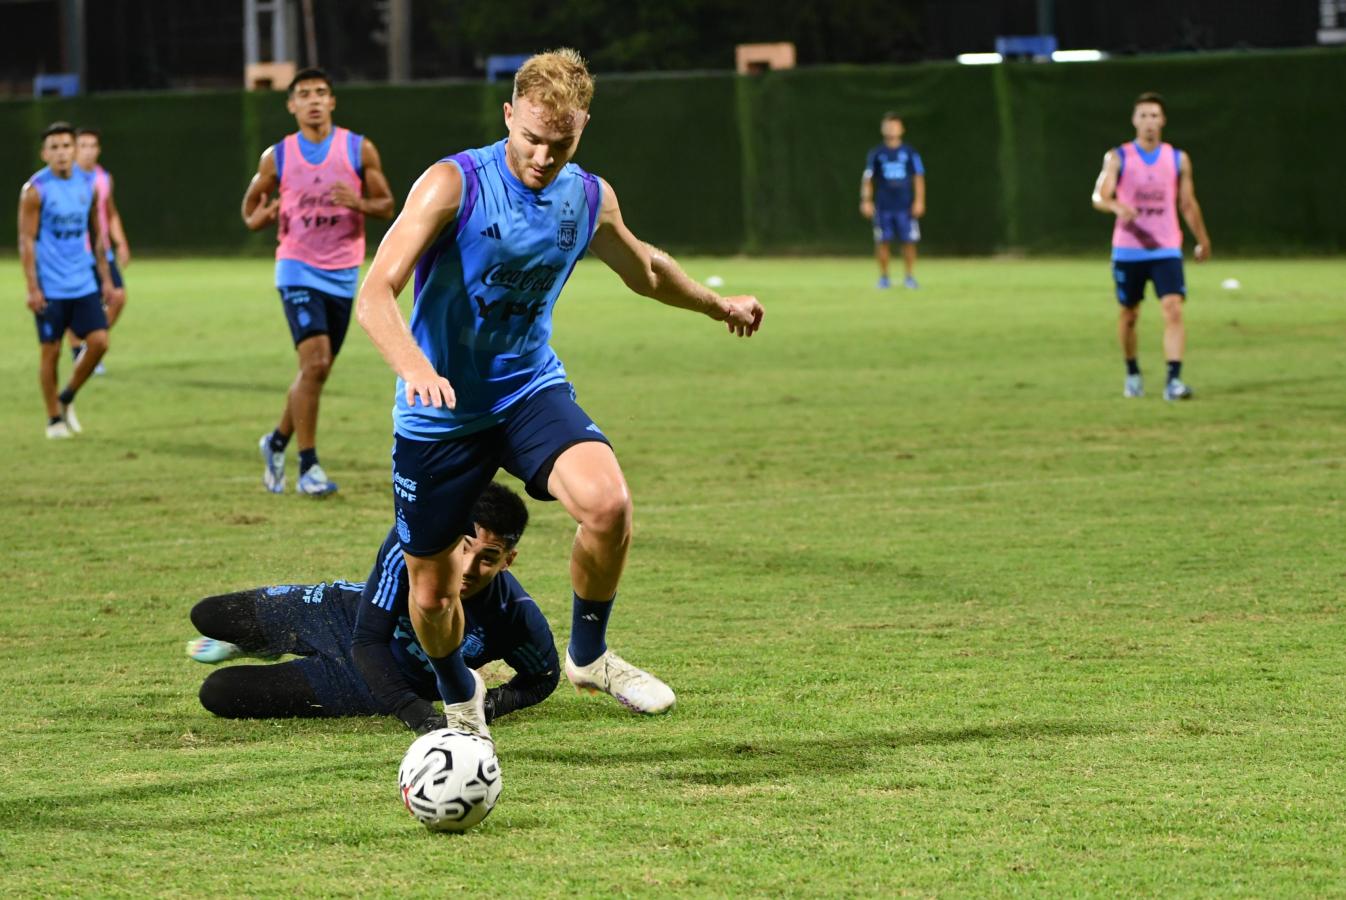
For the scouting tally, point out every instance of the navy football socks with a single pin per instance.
(66, 397)
(1174, 369)
(307, 459)
(279, 441)
(588, 629)
(454, 678)
(1132, 367)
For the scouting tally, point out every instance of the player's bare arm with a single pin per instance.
(867, 194)
(652, 273)
(378, 196)
(1105, 189)
(261, 201)
(100, 262)
(431, 205)
(116, 231)
(1191, 210)
(918, 201)
(30, 214)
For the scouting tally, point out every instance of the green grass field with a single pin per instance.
(946, 615)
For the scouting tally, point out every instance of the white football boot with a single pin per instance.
(636, 689)
(71, 420)
(273, 473)
(210, 651)
(469, 715)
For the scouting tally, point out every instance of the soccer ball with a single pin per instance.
(450, 779)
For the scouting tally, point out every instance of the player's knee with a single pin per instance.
(96, 342)
(317, 368)
(219, 694)
(609, 514)
(431, 601)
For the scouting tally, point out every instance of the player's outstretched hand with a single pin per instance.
(37, 302)
(744, 315)
(430, 388)
(867, 208)
(1201, 252)
(123, 255)
(109, 292)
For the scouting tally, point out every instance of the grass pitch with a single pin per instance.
(946, 615)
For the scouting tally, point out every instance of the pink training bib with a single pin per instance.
(1151, 188)
(102, 187)
(311, 228)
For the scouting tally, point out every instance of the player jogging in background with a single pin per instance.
(892, 195)
(88, 147)
(318, 185)
(57, 226)
(491, 235)
(1145, 183)
(360, 654)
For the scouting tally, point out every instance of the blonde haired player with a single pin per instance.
(491, 236)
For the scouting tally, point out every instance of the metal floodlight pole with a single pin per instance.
(399, 41)
(310, 34)
(72, 39)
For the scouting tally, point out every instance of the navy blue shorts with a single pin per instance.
(311, 311)
(115, 272)
(316, 622)
(436, 483)
(896, 225)
(81, 315)
(1131, 277)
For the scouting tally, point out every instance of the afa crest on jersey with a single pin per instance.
(566, 233)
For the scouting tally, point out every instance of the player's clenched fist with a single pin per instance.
(743, 315)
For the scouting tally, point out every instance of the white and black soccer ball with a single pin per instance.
(449, 779)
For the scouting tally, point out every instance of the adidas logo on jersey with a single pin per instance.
(492, 232)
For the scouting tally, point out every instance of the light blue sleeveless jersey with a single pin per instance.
(64, 258)
(486, 288)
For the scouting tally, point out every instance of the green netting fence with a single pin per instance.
(719, 163)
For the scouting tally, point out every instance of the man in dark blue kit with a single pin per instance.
(360, 655)
(892, 195)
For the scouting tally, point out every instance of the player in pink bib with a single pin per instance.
(325, 180)
(1146, 183)
(113, 243)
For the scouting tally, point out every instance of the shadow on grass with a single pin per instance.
(771, 759)
(26, 812)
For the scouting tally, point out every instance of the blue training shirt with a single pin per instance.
(64, 258)
(893, 170)
(292, 272)
(486, 288)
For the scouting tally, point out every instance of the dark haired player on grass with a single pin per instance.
(57, 226)
(360, 654)
(1145, 183)
(328, 180)
(491, 236)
